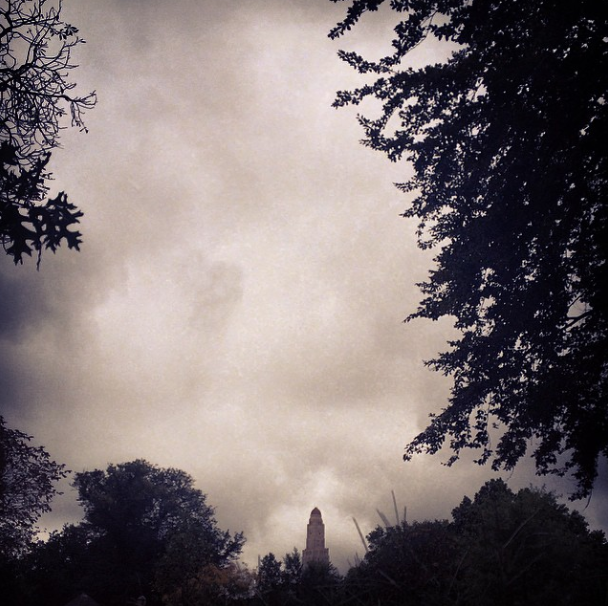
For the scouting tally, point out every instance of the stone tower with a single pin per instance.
(315, 541)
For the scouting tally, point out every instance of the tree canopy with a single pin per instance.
(28, 478)
(525, 545)
(506, 139)
(501, 548)
(146, 531)
(289, 582)
(35, 98)
(151, 529)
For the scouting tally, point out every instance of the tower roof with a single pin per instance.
(315, 512)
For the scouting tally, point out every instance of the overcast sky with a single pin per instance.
(236, 309)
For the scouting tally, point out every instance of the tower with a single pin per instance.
(315, 541)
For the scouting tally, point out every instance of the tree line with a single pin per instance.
(148, 531)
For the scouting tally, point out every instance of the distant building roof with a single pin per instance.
(82, 600)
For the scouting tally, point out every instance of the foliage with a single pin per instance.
(525, 547)
(197, 568)
(212, 584)
(35, 98)
(27, 487)
(279, 582)
(291, 573)
(286, 582)
(270, 573)
(406, 564)
(500, 549)
(26, 226)
(61, 567)
(506, 139)
(320, 583)
(146, 530)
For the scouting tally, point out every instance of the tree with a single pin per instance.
(525, 547)
(196, 568)
(501, 549)
(407, 564)
(152, 530)
(286, 582)
(291, 574)
(269, 574)
(28, 477)
(35, 97)
(211, 584)
(506, 139)
(279, 582)
(320, 583)
(61, 567)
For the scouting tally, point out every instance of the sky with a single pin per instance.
(236, 310)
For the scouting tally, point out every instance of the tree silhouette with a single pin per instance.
(35, 96)
(525, 547)
(506, 139)
(501, 548)
(27, 487)
(407, 564)
(151, 532)
(269, 576)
